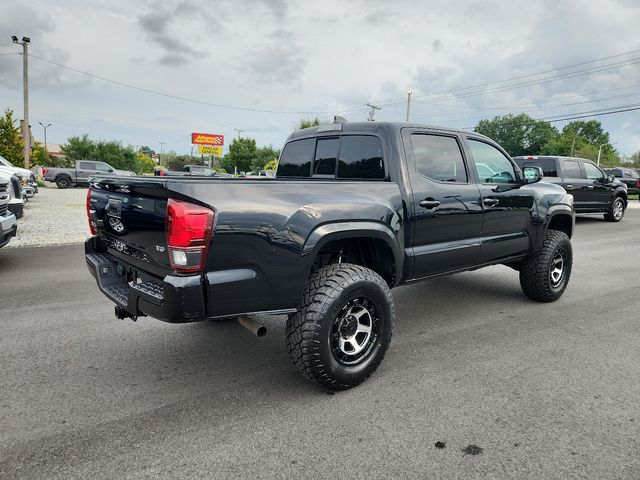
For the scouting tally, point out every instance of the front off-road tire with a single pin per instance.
(343, 326)
(544, 275)
(616, 210)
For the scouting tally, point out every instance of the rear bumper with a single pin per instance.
(172, 299)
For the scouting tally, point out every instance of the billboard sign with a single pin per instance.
(207, 139)
(210, 150)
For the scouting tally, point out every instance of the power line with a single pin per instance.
(595, 114)
(566, 67)
(515, 86)
(175, 97)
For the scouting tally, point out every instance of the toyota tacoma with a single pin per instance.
(355, 210)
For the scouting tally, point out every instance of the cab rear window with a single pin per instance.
(346, 157)
(548, 165)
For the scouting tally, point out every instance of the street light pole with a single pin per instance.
(408, 104)
(600, 150)
(45, 134)
(26, 137)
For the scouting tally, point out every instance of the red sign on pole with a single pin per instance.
(207, 139)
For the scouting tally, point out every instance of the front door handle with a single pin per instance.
(590, 187)
(490, 202)
(568, 186)
(429, 203)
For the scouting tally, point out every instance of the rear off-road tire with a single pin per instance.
(63, 182)
(343, 327)
(544, 275)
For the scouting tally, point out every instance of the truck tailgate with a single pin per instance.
(128, 214)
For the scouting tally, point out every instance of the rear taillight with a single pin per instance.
(638, 183)
(92, 227)
(189, 229)
(45, 171)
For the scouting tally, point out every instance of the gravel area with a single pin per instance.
(53, 217)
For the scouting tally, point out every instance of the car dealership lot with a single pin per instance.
(546, 390)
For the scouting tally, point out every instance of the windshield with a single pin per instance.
(5, 162)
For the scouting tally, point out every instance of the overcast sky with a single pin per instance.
(306, 58)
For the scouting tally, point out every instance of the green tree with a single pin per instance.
(113, 153)
(272, 165)
(11, 146)
(144, 163)
(39, 156)
(307, 122)
(176, 162)
(634, 161)
(263, 156)
(242, 152)
(78, 148)
(583, 139)
(518, 134)
(589, 130)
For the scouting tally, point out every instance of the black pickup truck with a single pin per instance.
(594, 191)
(356, 209)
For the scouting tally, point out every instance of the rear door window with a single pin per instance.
(361, 157)
(438, 158)
(87, 165)
(572, 169)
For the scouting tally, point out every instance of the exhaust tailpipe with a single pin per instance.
(254, 327)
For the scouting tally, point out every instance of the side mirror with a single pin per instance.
(111, 170)
(610, 178)
(532, 174)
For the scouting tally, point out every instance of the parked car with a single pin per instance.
(26, 177)
(17, 196)
(8, 222)
(81, 172)
(594, 190)
(628, 176)
(355, 210)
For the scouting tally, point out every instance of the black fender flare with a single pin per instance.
(554, 211)
(328, 232)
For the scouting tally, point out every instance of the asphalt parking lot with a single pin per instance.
(545, 390)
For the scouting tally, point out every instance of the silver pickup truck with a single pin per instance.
(80, 173)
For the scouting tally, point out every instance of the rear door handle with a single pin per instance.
(429, 204)
(490, 202)
(590, 187)
(568, 186)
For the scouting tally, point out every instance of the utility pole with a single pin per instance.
(239, 131)
(408, 104)
(160, 157)
(573, 144)
(45, 133)
(26, 134)
(600, 150)
(372, 111)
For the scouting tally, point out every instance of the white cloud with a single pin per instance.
(315, 57)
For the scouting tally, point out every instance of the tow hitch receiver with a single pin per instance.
(121, 314)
